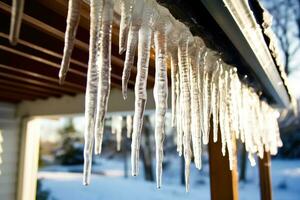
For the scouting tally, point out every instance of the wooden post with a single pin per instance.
(265, 177)
(223, 182)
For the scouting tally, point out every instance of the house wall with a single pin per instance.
(9, 126)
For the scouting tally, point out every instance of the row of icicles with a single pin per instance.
(203, 86)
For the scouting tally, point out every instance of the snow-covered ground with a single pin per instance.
(108, 183)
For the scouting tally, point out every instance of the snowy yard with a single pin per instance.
(108, 183)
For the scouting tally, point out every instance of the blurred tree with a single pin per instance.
(286, 25)
(71, 150)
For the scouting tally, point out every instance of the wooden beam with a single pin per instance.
(44, 50)
(38, 59)
(43, 26)
(75, 104)
(30, 87)
(40, 76)
(39, 83)
(60, 7)
(223, 182)
(16, 96)
(265, 177)
(17, 90)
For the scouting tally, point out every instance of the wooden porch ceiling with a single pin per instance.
(29, 70)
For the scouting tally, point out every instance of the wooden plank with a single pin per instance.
(60, 7)
(17, 90)
(39, 59)
(39, 83)
(30, 87)
(40, 76)
(223, 182)
(117, 60)
(15, 96)
(265, 177)
(44, 50)
(43, 26)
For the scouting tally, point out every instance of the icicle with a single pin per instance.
(251, 159)
(206, 95)
(132, 42)
(186, 103)
(126, 11)
(144, 44)
(201, 71)
(116, 128)
(238, 103)
(160, 91)
(174, 84)
(222, 112)
(173, 39)
(179, 122)
(211, 94)
(228, 117)
(194, 53)
(70, 34)
(215, 100)
(104, 68)
(129, 125)
(16, 21)
(96, 8)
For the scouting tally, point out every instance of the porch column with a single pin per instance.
(223, 182)
(265, 177)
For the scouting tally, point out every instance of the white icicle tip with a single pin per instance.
(104, 68)
(16, 20)
(204, 87)
(72, 24)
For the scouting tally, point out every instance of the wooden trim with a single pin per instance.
(265, 177)
(223, 182)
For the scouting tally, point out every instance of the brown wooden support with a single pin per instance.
(223, 182)
(265, 177)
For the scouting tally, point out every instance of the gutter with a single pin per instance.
(238, 22)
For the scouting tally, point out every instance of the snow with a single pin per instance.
(108, 182)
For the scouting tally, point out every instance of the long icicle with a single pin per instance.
(206, 95)
(173, 39)
(185, 92)
(104, 68)
(144, 45)
(174, 69)
(126, 10)
(70, 34)
(132, 42)
(222, 114)
(194, 51)
(16, 21)
(215, 102)
(160, 87)
(96, 8)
